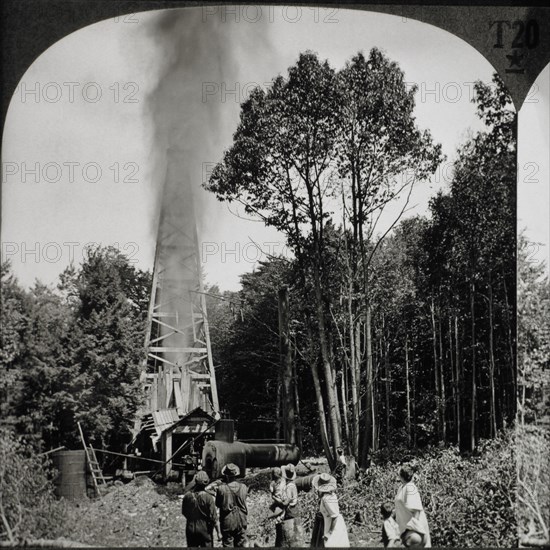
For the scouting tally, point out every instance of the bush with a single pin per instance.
(533, 448)
(468, 501)
(28, 507)
(471, 502)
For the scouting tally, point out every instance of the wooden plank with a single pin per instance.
(161, 359)
(178, 396)
(169, 387)
(162, 349)
(52, 451)
(179, 329)
(162, 315)
(136, 457)
(167, 452)
(185, 389)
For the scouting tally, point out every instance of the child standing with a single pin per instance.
(390, 530)
(277, 490)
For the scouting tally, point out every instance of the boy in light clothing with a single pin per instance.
(277, 490)
(390, 530)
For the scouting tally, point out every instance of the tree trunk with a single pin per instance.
(443, 401)
(357, 408)
(387, 379)
(278, 415)
(492, 364)
(413, 402)
(296, 399)
(408, 390)
(371, 423)
(523, 390)
(436, 370)
(327, 366)
(474, 373)
(453, 375)
(320, 405)
(512, 357)
(354, 328)
(354, 383)
(285, 353)
(343, 392)
(336, 394)
(458, 386)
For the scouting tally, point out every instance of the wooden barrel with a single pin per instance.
(70, 482)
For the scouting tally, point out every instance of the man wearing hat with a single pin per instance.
(231, 500)
(199, 509)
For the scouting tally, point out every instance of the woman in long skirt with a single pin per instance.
(335, 533)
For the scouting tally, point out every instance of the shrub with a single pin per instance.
(28, 508)
(471, 502)
(533, 510)
(468, 501)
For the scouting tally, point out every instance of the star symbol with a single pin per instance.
(515, 58)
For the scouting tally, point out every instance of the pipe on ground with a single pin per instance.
(216, 454)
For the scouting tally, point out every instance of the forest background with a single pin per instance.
(402, 345)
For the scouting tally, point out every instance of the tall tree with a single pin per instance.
(14, 318)
(381, 153)
(108, 344)
(278, 167)
(296, 146)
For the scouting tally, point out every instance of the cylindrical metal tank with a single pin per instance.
(216, 454)
(70, 483)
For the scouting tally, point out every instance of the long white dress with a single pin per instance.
(408, 501)
(330, 509)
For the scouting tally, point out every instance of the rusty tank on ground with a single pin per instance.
(216, 454)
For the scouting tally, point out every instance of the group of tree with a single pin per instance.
(533, 426)
(399, 334)
(402, 333)
(73, 353)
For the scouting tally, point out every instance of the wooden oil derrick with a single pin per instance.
(178, 373)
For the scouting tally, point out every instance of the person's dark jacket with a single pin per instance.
(199, 509)
(231, 500)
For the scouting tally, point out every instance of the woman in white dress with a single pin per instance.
(335, 533)
(409, 513)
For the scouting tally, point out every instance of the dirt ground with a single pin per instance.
(143, 513)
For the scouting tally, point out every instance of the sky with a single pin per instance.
(81, 143)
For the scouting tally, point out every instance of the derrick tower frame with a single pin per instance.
(178, 373)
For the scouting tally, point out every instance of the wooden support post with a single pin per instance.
(167, 453)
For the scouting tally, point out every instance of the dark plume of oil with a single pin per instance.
(197, 53)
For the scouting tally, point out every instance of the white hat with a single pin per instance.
(289, 472)
(324, 483)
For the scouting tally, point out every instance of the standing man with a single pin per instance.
(341, 466)
(199, 509)
(231, 500)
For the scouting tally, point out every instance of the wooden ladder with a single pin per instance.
(93, 464)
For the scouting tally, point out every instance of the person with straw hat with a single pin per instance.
(288, 533)
(231, 500)
(334, 530)
(200, 513)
